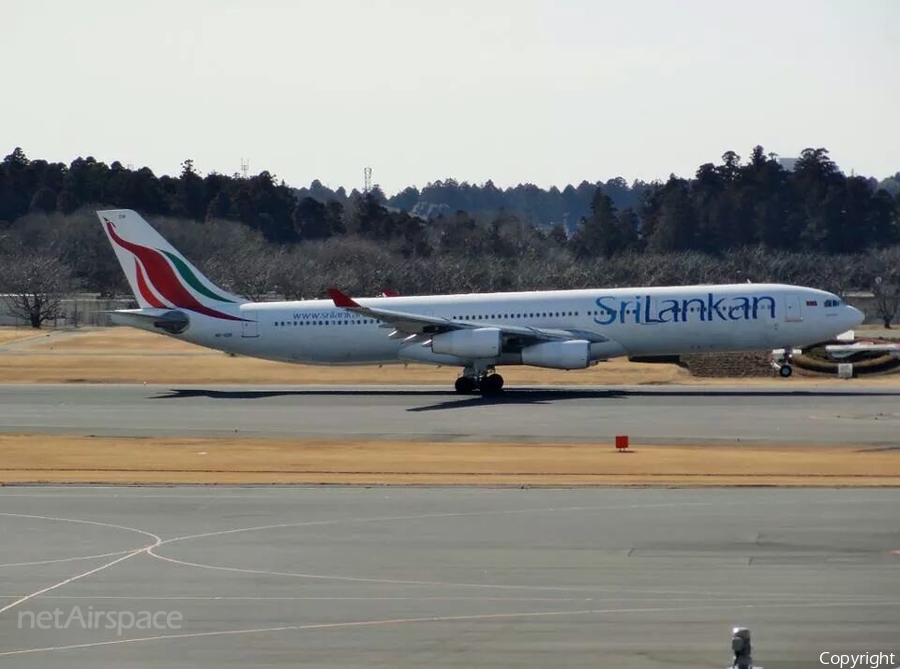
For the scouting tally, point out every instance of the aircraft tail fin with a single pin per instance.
(159, 276)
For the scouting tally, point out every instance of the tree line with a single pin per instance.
(813, 207)
(45, 256)
(734, 221)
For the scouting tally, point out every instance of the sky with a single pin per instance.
(524, 91)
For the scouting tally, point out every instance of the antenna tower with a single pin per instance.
(367, 179)
(245, 167)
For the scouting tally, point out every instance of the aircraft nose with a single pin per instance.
(855, 316)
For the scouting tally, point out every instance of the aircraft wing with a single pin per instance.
(412, 325)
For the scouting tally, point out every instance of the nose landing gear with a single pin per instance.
(782, 362)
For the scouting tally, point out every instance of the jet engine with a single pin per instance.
(573, 354)
(469, 344)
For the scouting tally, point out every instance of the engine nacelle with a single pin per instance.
(423, 354)
(469, 344)
(575, 354)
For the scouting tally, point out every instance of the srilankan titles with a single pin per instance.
(647, 310)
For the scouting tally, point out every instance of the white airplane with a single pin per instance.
(559, 329)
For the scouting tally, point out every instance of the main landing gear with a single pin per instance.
(486, 381)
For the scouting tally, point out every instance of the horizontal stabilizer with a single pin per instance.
(172, 321)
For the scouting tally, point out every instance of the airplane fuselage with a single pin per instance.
(622, 321)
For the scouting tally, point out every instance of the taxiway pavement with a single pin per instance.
(779, 414)
(445, 577)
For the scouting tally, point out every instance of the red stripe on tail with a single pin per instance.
(162, 277)
(151, 299)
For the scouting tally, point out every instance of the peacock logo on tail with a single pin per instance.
(165, 281)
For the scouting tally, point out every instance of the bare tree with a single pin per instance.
(250, 274)
(887, 300)
(33, 284)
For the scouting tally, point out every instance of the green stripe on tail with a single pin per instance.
(192, 280)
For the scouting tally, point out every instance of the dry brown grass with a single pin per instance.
(9, 335)
(220, 369)
(114, 340)
(71, 459)
(126, 355)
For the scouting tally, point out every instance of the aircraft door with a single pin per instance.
(792, 309)
(250, 326)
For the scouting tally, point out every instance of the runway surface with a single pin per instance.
(781, 414)
(453, 577)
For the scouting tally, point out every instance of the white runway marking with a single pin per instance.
(763, 598)
(455, 584)
(688, 603)
(360, 579)
(407, 621)
(151, 548)
(36, 563)
(314, 598)
(458, 514)
(447, 514)
(77, 577)
(495, 586)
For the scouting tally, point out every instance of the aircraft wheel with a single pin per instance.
(785, 371)
(465, 384)
(492, 384)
